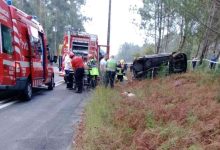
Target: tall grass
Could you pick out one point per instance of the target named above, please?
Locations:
(164, 114)
(98, 116)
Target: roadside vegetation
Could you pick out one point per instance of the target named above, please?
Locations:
(174, 112)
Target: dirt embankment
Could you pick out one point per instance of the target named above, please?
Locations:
(176, 112)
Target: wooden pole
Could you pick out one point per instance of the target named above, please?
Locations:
(109, 28)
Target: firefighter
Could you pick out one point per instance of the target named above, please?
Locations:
(68, 71)
(78, 67)
(120, 70)
(110, 71)
(93, 70)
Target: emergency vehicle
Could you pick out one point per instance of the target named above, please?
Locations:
(24, 52)
(80, 43)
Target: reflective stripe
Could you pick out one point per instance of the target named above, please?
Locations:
(16, 39)
(37, 64)
(119, 71)
(24, 64)
(17, 50)
(15, 29)
(8, 63)
(14, 21)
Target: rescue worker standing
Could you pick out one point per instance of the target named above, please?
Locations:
(103, 63)
(120, 70)
(68, 70)
(93, 71)
(110, 71)
(78, 66)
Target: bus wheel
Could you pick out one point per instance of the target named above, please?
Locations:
(51, 84)
(27, 93)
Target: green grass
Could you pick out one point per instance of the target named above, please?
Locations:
(99, 110)
(98, 116)
(149, 120)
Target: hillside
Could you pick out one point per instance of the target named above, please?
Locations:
(175, 112)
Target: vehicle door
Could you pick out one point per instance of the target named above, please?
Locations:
(7, 64)
(36, 54)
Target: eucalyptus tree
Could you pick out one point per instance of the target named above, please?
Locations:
(186, 18)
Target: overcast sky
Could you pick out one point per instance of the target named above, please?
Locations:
(122, 29)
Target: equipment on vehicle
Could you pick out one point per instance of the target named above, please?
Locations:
(25, 62)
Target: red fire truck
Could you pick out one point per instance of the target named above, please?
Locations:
(24, 52)
(80, 43)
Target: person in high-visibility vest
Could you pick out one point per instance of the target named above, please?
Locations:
(93, 70)
(120, 70)
(110, 71)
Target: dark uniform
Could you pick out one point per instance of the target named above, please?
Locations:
(120, 72)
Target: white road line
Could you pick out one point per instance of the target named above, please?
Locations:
(59, 83)
(11, 103)
(7, 104)
(2, 102)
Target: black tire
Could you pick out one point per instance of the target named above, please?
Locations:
(27, 93)
(51, 84)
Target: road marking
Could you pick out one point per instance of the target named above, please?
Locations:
(59, 83)
(2, 102)
(7, 104)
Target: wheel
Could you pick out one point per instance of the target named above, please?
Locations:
(51, 84)
(27, 93)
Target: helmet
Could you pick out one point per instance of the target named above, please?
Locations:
(71, 54)
(122, 61)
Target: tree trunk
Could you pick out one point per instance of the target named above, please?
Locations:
(160, 17)
(168, 31)
(207, 32)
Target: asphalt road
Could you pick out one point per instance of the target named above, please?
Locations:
(44, 123)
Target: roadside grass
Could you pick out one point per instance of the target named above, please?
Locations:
(98, 115)
(174, 112)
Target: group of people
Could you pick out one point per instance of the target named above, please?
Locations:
(74, 66)
(109, 68)
(78, 67)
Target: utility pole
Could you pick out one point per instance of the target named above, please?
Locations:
(109, 27)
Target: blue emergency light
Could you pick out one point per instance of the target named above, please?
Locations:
(9, 2)
(35, 18)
